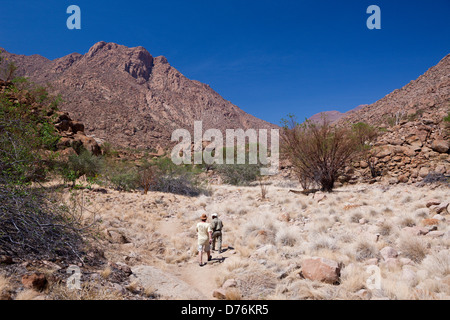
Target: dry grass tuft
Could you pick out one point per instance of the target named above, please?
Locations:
(414, 248)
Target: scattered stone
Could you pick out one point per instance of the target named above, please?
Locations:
(438, 217)
(416, 230)
(116, 237)
(321, 269)
(441, 208)
(220, 294)
(432, 202)
(429, 222)
(403, 178)
(319, 196)
(436, 234)
(364, 294)
(230, 283)
(424, 171)
(388, 252)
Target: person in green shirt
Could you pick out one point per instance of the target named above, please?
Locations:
(216, 226)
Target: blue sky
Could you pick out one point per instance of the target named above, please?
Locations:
(270, 58)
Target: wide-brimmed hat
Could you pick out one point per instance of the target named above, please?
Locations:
(204, 216)
(214, 214)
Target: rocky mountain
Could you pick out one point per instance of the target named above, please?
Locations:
(426, 97)
(414, 144)
(129, 98)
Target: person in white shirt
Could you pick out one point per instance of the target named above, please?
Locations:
(204, 236)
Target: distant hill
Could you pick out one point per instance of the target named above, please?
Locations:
(333, 116)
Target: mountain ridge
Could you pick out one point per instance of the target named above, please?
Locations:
(130, 98)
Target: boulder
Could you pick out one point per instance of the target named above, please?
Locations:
(432, 202)
(403, 178)
(441, 208)
(424, 171)
(77, 126)
(383, 151)
(441, 146)
(321, 269)
(36, 281)
(81, 141)
(363, 164)
(116, 236)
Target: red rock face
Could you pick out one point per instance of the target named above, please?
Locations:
(127, 97)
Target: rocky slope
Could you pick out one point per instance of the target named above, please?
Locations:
(416, 138)
(130, 98)
(427, 97)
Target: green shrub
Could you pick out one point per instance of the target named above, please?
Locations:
(239, 174)
(121, 175)
(86, 164)
(169, 177)
(49, 136)
(447, 118)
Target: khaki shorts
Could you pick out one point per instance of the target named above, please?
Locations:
(204, 246)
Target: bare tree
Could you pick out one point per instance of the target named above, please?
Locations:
(318, 152)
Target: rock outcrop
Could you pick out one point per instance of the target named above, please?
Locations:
(72, 136)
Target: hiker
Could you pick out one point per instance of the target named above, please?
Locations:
(204, 236)
(216, 226)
